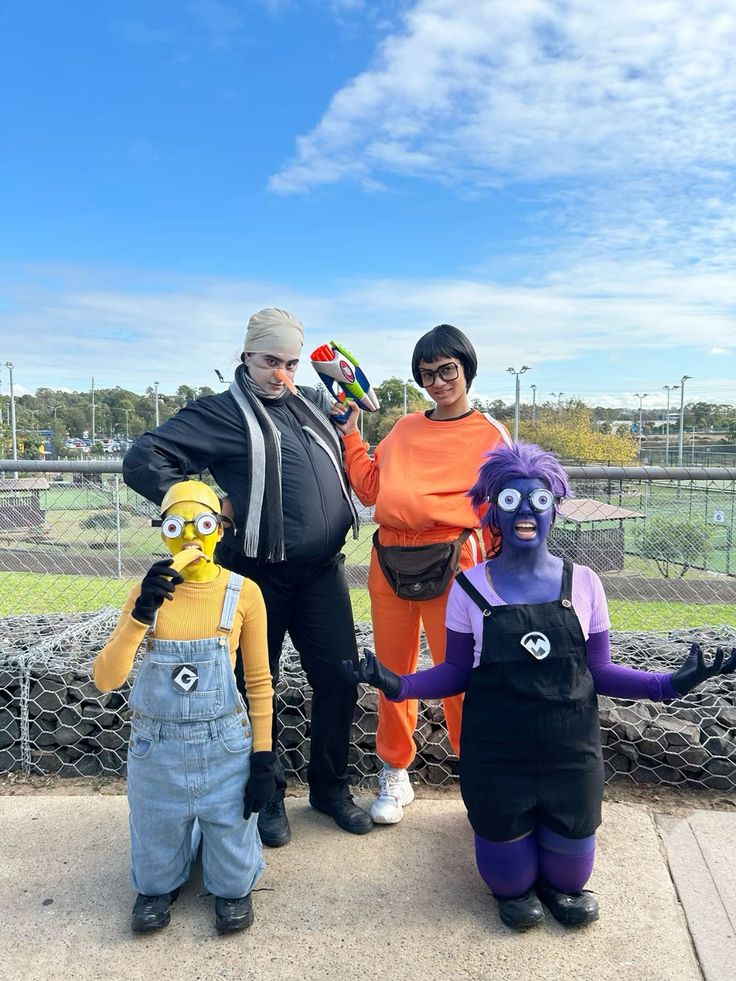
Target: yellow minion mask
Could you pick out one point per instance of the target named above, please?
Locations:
(190, 519)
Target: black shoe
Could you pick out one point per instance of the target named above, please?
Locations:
(273, 824)
(521, 912)
(568, 908)
(346, 814)
(233, 914)
(152, 912)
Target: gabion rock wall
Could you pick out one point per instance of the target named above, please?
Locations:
(53, 720)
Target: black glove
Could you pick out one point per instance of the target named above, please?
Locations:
(261, 784)
(158, 584)
(371, 672)
(694, 671)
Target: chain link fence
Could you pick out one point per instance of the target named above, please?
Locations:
(74, 542)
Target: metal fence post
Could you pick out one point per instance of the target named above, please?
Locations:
(118, 537)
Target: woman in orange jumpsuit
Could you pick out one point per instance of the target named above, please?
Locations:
(418, 480)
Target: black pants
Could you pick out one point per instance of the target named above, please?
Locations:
(312, 602)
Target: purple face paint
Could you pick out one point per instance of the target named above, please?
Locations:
(525, 528)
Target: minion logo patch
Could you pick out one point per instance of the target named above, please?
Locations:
(537, 644)
(184, 678)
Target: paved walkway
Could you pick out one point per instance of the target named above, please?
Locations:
(400, 903)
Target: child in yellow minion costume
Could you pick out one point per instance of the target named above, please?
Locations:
(195, 752)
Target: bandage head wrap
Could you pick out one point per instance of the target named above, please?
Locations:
(274, 331)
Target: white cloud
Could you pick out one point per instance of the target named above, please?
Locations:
(490, 92)
(126, 328)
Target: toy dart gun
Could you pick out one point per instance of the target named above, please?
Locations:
(343, 378)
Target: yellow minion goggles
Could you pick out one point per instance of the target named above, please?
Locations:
(172, 526)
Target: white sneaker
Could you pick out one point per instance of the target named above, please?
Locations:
(395, 791)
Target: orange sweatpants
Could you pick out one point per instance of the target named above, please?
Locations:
(396, 634)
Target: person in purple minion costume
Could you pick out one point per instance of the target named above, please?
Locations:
(528, 643)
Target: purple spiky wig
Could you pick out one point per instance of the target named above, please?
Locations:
(506, 463)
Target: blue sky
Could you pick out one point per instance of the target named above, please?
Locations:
(554, 177)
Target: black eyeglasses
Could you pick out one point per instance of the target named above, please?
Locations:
(447, 372)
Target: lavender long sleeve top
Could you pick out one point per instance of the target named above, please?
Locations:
(464, 622)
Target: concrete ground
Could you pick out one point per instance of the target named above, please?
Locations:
(401, 903)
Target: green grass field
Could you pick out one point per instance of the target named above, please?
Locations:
(23, 593)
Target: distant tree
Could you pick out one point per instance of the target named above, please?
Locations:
(185, 393)
(571, 432)
(390, 394)
(105, 523)
(674, 544)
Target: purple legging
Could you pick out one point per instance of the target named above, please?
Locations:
(510, 868)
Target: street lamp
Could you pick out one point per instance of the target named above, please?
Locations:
(641, 399)
(558, 396)
(407, 382)
(682, 417)
(534, 405)
(127, 434)
(93, 412)
(155, 387)
(517, 374)
(668, 389)
(9, 365)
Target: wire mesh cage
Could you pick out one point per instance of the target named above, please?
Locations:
(664, 550)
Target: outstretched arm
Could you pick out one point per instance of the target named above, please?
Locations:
(621, 681)
(449, 678)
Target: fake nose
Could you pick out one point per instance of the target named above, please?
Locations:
(189, 533)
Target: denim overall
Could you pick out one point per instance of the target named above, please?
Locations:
(189, 758)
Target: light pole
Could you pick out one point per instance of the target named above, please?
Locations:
(668, 389)
(9, 365)
(407, 382)
(682, 418)
(517, 374)
(93, 412)
(127, 435)
(155, 388)
(558, 396)
(55, 433)
(641, 399)
(534, 405)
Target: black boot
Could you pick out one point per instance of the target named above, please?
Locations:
(273, 824)
(568, 908)
(152, 912)
(521, 912)
(346, 814)
(233, 914)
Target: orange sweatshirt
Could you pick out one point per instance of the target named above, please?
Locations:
(421, 473)
(194, 614)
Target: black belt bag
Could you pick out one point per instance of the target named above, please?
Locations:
(420, 572)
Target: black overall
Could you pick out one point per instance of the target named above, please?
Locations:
(530, 747)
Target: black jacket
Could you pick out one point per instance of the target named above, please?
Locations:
(208, 434)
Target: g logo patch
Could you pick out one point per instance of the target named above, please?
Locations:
(537, 644)
(184, 678)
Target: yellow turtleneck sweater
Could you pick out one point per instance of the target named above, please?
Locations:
(194, 614)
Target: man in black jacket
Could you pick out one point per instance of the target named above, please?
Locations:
(274, 452)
